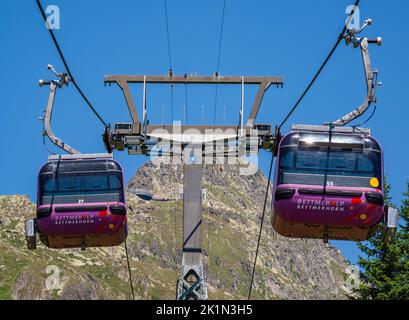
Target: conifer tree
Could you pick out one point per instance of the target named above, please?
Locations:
(384, 263)
(401, 291)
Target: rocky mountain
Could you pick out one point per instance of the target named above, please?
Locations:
(286, 268)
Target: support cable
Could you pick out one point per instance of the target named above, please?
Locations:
(172, 116)
(43, 137)
(129, 271)
(175, 203)
(216, 94)
(64, 61)
(218, 61)
(46, 147)
(171, 102)
(369, 118)
(186, 104)
(169, 57)
(175, 218)
(167, 34)
(261, 225)
(340, 37)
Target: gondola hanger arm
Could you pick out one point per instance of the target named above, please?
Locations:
(54, 85)
(370, 74)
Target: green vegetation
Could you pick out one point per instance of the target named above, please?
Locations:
(385, 263)
(8, 275)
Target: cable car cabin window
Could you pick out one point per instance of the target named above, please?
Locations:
(339, 167)
(81, 187)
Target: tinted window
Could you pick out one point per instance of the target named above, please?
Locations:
(295, 137)
(80, 166)
(94, 187)
(334, 162)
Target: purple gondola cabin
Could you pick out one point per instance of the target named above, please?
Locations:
(328, 184)
(81, 202)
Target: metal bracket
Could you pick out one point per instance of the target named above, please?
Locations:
(190, 291)
(54, 84)
(123, 80)
(139, 137)
(123, 84)
(370, 74)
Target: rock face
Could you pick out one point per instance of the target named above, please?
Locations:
(286, 268)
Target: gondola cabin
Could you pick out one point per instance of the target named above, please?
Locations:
(328, 183)
(81, 202)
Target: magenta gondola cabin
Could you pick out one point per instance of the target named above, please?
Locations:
(328, 184)
(81, 202)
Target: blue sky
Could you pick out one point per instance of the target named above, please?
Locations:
(289, 38)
